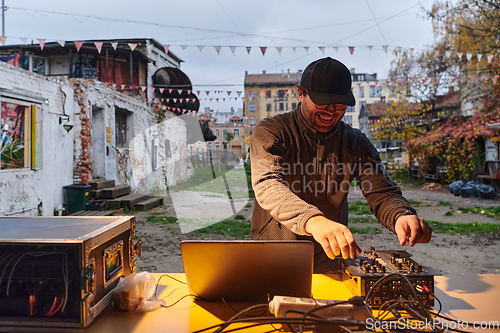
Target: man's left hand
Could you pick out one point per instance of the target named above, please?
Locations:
(412, 229)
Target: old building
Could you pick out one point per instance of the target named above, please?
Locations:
(72, 113)
(268, 94)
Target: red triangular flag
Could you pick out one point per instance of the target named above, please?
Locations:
(98, 46)
(351, 49)
(42, 43)
(207, 92)
(198, 92)
(166, 48)
(170, 90)
(189, 92)
(263, 49)
(3, 39)
(78, 45)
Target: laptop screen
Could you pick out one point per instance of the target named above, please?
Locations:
(248, 270)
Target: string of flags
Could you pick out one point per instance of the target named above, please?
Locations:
(263, 49)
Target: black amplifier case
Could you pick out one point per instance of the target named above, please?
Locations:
(60, 272)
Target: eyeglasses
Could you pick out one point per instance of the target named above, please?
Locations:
(338, 107)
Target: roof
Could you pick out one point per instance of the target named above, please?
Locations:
(55, 47)
(376, 109)
(451, 99)
(265, 79)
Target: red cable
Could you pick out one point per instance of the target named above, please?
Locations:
(52, 308)
(32, 300)
(54, 311)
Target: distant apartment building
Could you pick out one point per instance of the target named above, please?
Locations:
(269, 94)
(367, 89)
(222, 122)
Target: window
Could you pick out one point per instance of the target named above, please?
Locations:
(350, 109)
(209, 145)
(236, 132)
(348, 120)
(224, 145)
(282, 95)
(252, 121)
(282, 107)
(39, 65)
(20, 135)
(252, 107)
(268, 107)
(268, 93)
(286, 106)
(294, 106)
(375, 91)
(361, 92)
(123, 133)
(217, 144)
(275, 106)
(217, 133)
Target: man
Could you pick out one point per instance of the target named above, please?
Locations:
(303, 163)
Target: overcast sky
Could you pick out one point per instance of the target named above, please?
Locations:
(288, 24)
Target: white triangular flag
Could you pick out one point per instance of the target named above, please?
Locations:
(490, 58)
(200, 47)
(447, 54)
(479, 56)
(469, 56)
(61, 42)
(114, 45)
(322, 49)
(293, 48)
(232, 48)
(217, 48)
(336, 48)
(370, 47)
(279, 48)
(384, 47)
(184, 47)
(306, 48)
(132, 46)
(24, 40)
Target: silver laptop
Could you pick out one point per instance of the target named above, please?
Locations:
(248, 270)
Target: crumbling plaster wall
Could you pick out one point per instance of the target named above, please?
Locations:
(29, 192)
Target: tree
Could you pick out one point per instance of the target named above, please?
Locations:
(464, 57)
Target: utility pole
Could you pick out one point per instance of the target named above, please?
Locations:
(3, 17)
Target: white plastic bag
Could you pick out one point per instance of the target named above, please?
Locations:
(135, 293)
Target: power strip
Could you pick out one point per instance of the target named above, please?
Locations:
(354, 310)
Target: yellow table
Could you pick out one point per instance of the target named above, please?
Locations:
(465, 297)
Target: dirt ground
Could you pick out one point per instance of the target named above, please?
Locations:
(450, 254)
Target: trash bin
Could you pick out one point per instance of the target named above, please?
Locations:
(77, 197)
(413, 173)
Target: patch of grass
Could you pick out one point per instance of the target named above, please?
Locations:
(164, 219)
(466, 228)
(236, 229)
(444, 203)
(248, 205)
(367, 230)
(239, 217)
(362, 220)
(448, 213)
(359, 208)
(418, 203)
(488, 211)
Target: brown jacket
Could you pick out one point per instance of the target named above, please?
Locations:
(298, 173)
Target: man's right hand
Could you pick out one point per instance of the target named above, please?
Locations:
(334, 237)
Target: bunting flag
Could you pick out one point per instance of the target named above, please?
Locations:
(166, 48)
(184, 47)
(232, 48)
(78, 45)
(98, 46)
(293, 48)
(384, 47)
(370, 47)
(3, 39)
(248, 49)
(263, 50)
(306, 48)
(42, 43)
(132, 46)
(322, 49)
(436, 53)
(490, 57)
(200, 47)
(217, 48)
(336, 48)
(114, 45)
(459, 54)
(351, 49)
(469, 56)
(61, 42)
(279, 48)
(24, 40)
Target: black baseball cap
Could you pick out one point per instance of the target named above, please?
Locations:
(328, 81)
